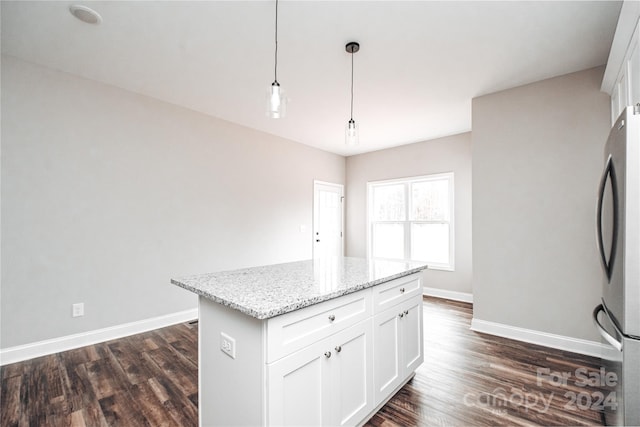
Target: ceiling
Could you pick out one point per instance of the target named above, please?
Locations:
(419, 65)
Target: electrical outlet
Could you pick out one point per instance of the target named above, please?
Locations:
(77, 310)
(228, 345)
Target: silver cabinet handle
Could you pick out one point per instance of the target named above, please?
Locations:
(402, 290)
(401, 314)
(338, 349)
(406, 312)
(332, 317)
(327, 354)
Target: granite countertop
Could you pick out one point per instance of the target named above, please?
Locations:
(272, 290)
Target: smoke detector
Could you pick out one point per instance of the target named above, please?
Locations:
(85, 14)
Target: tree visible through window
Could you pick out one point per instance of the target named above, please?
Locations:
(412, 219)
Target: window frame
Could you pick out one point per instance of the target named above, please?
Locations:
(407, 222)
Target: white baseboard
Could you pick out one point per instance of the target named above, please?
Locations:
(69, 342)
(452, 295)
(560, 342)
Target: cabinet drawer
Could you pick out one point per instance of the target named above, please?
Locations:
(396, 291)
(300, 328)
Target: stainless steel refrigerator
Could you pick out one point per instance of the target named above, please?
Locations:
(618, 238)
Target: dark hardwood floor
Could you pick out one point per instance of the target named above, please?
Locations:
(151, 379)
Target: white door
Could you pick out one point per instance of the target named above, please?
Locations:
(327, 219)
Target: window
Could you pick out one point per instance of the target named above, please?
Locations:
(412, 220)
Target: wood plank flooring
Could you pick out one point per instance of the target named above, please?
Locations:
(151, 379)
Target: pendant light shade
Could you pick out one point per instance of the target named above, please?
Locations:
(276, 100)
(351, 133)
(351, 137)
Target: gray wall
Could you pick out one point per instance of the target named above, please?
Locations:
(450, 154)
(107, 194)
(537, 158)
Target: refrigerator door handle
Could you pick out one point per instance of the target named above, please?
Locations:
(606, 335)
(609, 174)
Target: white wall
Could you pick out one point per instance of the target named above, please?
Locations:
(106, 195)
(537, 159)
(450, 154)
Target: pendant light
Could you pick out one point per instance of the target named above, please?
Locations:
(351, 131)
(276, 100)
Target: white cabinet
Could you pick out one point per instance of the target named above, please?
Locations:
(398, 342)
(626, 89)
(330, 364)
(398, 349)
(298, 329)
(352, 384)
(633, 69)
(396, 291)
(387, 357)
(412, 338)
(299, 388)
(329, 383)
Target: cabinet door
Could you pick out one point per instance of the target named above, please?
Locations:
(299, 388)
(386, 353)
(633, 70)
(615, 103)
(622, 97)
(352, 374)
(412, 336)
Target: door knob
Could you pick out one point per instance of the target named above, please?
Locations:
(327, 354)
(332, 317)
(338, 349)
(318, 240)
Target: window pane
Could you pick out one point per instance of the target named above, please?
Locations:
(388, 241)
(430, 243)
(388, 203)
(430, 200)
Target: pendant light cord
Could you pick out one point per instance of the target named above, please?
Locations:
(351, 85)
(275, 71)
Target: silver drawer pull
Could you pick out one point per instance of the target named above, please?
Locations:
(401, 314)
(402, 290)
(406, 312)
(338, 349)
(332, 317)
(327, 354)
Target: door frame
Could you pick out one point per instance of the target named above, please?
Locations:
(315, 214)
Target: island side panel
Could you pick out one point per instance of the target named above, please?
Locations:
(231, 391)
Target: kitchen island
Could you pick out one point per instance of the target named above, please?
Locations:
(318, 342)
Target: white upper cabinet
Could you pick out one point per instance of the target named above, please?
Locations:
(622, 75)
(633, 69)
